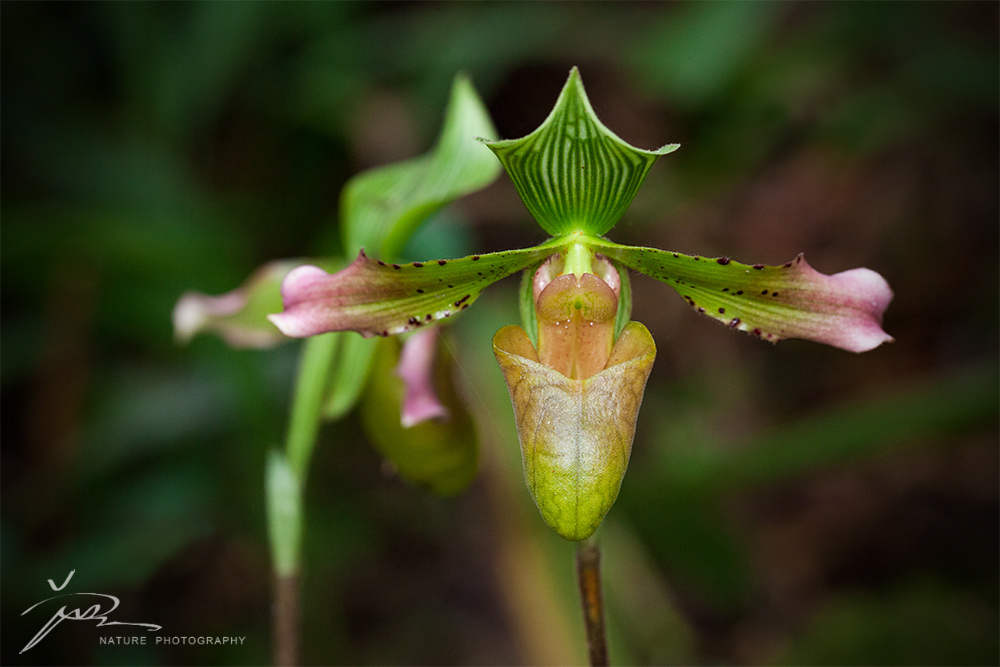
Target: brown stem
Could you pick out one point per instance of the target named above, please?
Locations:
(285, 620)
(588, 574)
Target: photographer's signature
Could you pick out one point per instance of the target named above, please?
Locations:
(94, 612)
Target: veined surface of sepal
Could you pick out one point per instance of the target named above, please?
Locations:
(573, 173)
(576, 435)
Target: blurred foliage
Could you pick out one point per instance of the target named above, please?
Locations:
(788, 505)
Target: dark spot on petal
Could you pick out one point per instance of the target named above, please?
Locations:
(701, 310)
(396, 266)
(764, 292)
(740, 292)
(788, 266)
(758, 266)
(428, 317)
(722, 311)
(451, 287)
(697, 259)
(462, 300)
(725, 289)
(413, 320)
(774, 294)
(676, 255)
(418, 323)
(384, 334)
(723, 260)
(442, 262)
(447, 313)
(756, 332)
(475, 258)
(464, 306)
(419, 291)
(480, 273)
(418, 264)
(381, 263)
(735, 322)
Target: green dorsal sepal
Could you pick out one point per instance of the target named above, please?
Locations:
(573, 173)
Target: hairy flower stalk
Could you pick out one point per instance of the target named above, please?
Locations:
(577, 369)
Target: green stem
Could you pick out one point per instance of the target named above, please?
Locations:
(285, 479)
(588, 573)
(307, 404)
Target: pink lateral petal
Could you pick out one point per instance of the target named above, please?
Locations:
(301, 318)
(236, 316)
(863, 296)
(194, 309)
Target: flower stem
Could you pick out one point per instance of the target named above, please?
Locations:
(307, 405)
(285, 620)
(588, 573)
(286, 475)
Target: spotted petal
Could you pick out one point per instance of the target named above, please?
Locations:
(373, 297)
(791, 300)
(576, 435)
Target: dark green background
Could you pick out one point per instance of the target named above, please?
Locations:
(784, 505)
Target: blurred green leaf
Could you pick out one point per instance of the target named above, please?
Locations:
(180, 66)
(694, 53)
(922, 622)
(951, 405)
(381, 208)
(643, 616)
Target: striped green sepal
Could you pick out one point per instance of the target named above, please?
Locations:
(573, 173)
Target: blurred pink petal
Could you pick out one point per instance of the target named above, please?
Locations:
(239, 316)
(416, 369)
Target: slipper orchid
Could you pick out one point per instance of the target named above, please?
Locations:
(577, 370)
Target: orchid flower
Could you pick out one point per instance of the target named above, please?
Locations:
(577, 370)
(379, 209)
